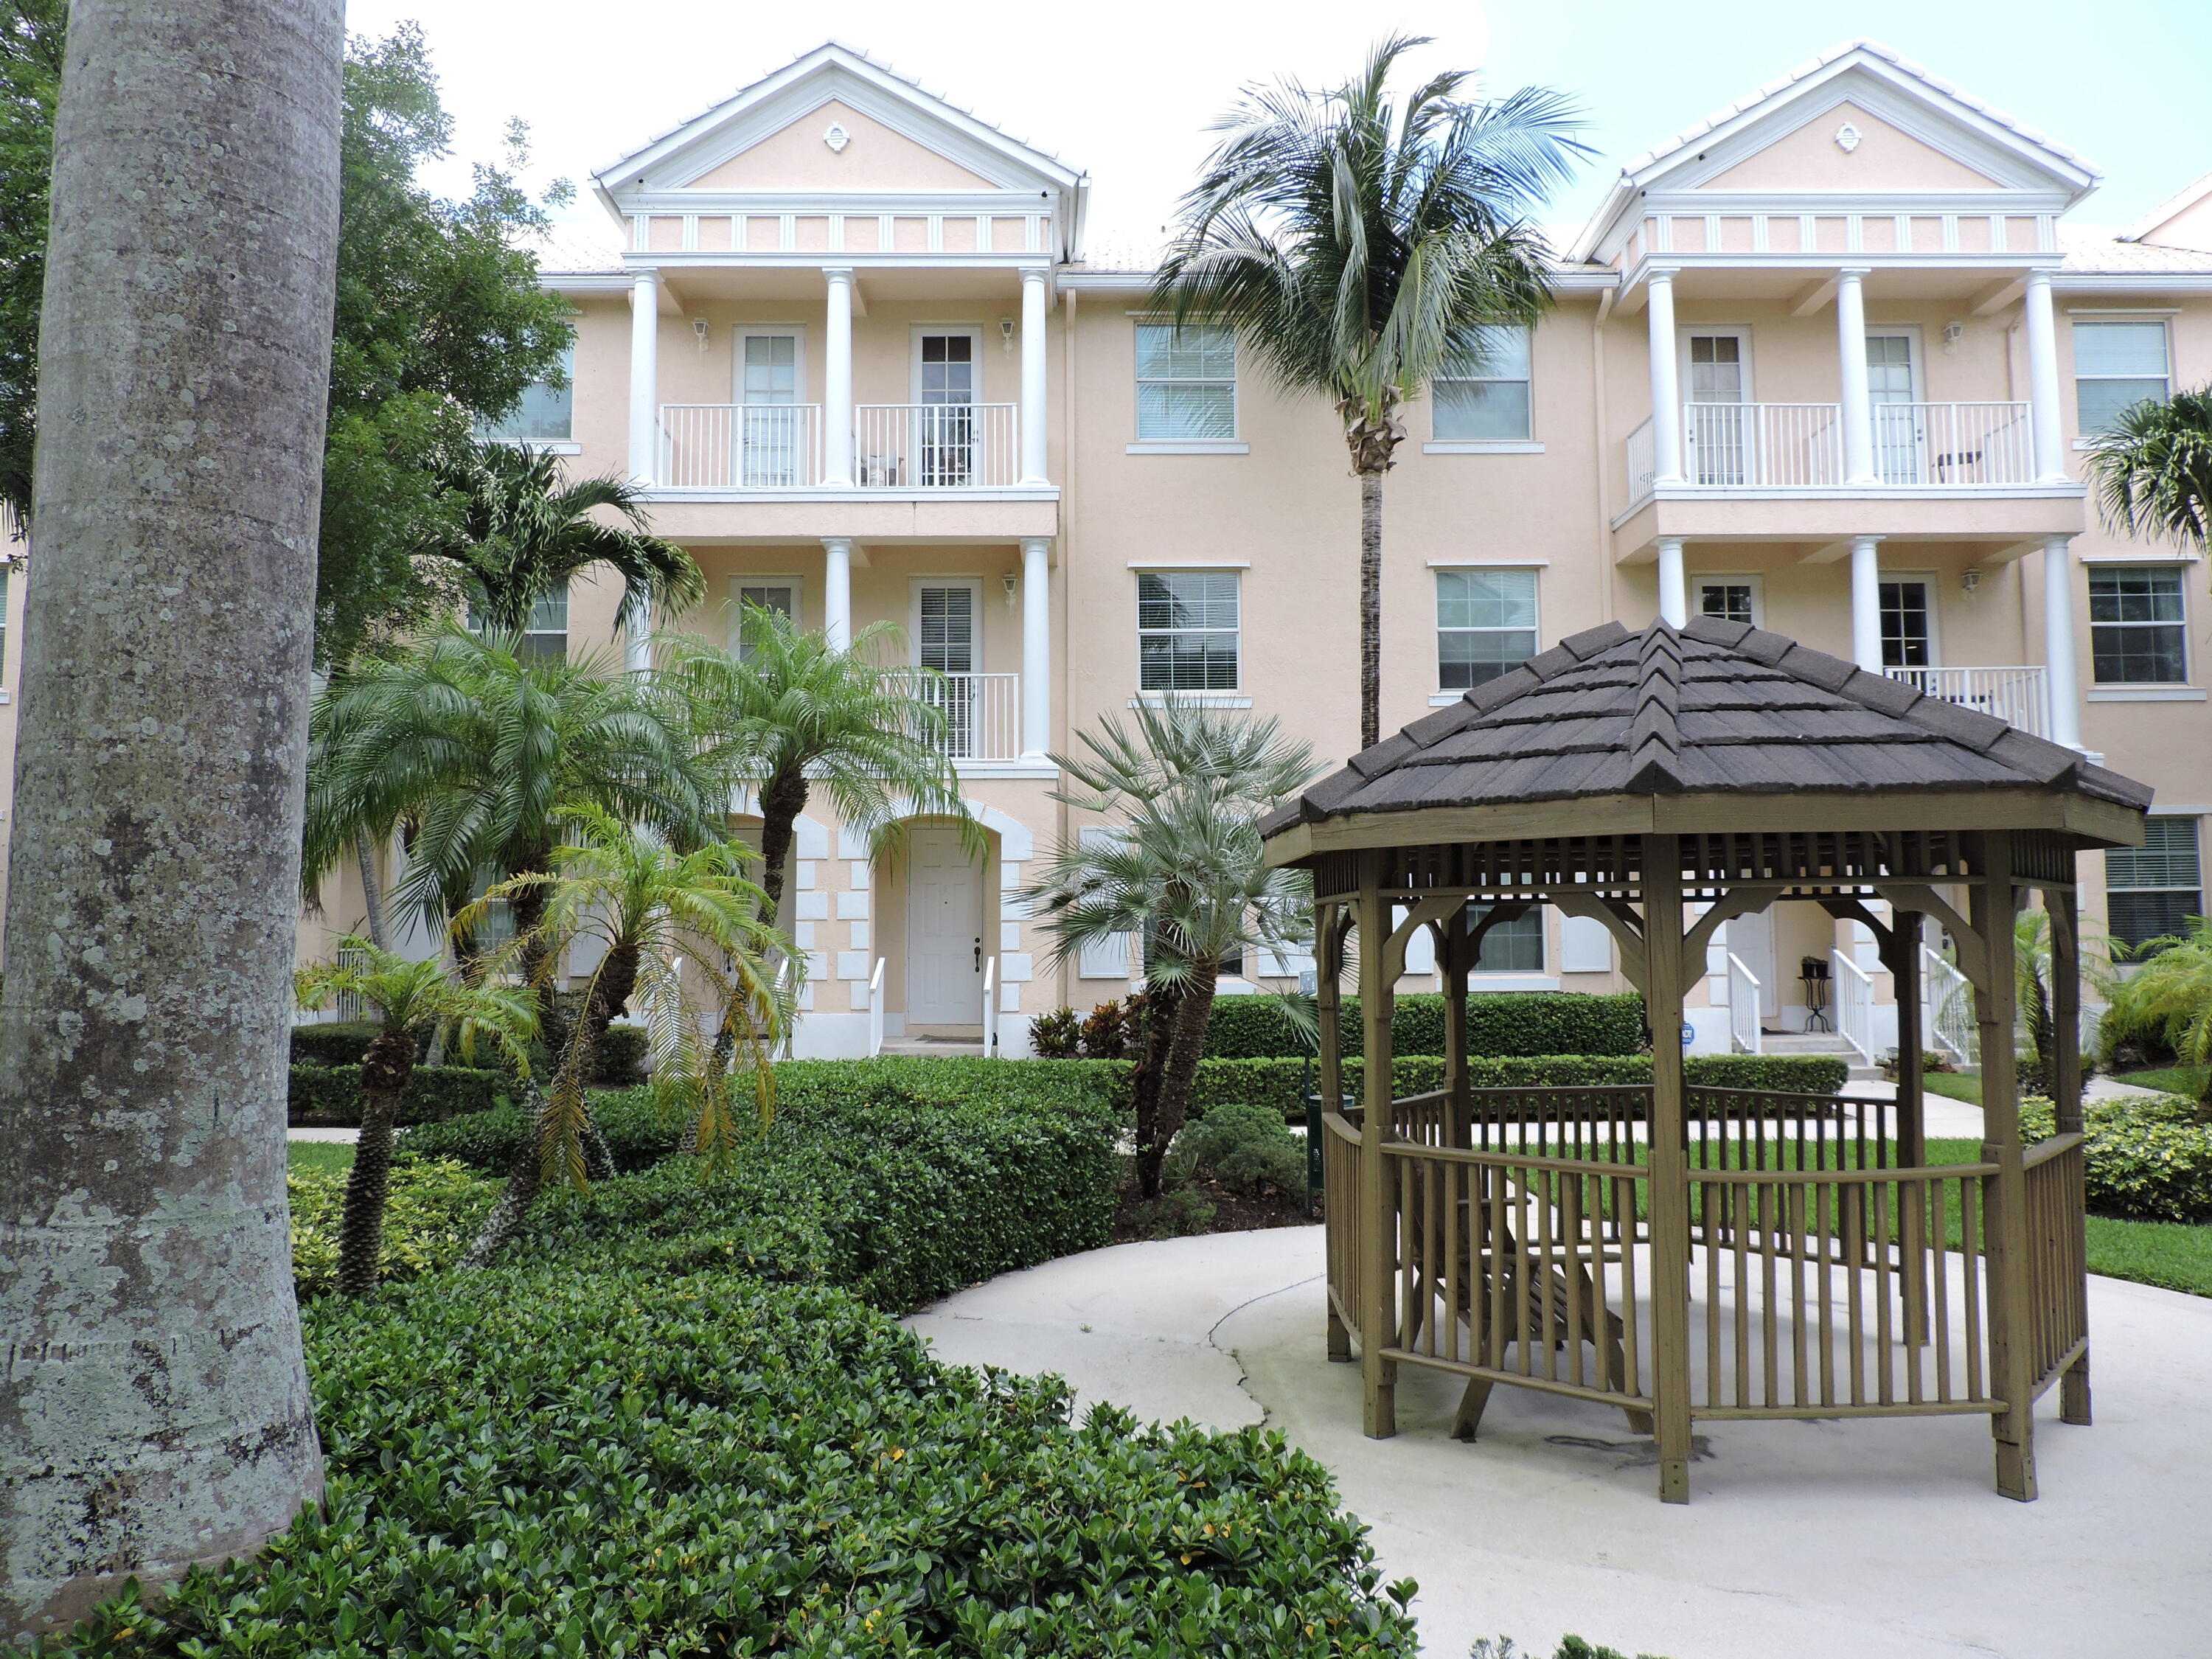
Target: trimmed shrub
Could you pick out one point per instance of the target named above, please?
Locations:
(1501, 1025)
(1279, 1082)
(618, 1064)
(1055, 1036)
(2142, 1159)
(1246, 1147)
(431, 1213)
(329, 1097)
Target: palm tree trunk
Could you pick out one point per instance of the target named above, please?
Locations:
(156, 1412)
(781, 802)
(371, 892)
(384, 1071)
(1370, 608)
(1162, 1006)
(1186, 1046)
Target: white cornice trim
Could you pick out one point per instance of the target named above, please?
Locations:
(1884, 204)
(955, 203)
(666, 493)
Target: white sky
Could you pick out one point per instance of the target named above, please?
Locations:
(1127, 95)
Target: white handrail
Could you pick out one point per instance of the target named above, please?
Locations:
(1743, 994)
(1946, 1001)
(2017, 695)
(1854, 1005)
(876, 1010)
(937, 446)
(982, 713)
(990, 1008)
(740, 446)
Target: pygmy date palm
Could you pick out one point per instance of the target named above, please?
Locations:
(410, 1000)
(1357, 243)
(2169, 999)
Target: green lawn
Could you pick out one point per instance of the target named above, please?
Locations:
(328, 1157)
(2171, 1080)
(1953, 1085)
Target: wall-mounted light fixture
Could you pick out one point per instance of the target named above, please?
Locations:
(1971, 581)
(1953, 333)
(1007, 332)
(699, 326)
(1010, 579)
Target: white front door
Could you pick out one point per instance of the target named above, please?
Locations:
(948, 367)
(1719, 442)
(944, 931)
(946, 631)
(1899, 435)
(1751, 941)
(771, 438)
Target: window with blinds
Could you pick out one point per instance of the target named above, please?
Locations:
(2152, 890)
(545, 413)
(1187, 630)
(1186, 380)
(2117, 365)
(1485, 625)
(1483, 390)
(2137, 626)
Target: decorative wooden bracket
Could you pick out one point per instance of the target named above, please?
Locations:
(1620, 919)
(1433, 908)
(1973, 953)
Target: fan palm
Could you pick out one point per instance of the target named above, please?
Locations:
(2032, 989)
(1357, 243)
(523, 531)
(1183, 870)
(681, 939)
(2168, 997)
(2153, 470)
(410, 999)
(788, 713)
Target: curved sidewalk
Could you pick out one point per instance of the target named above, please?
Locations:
(1809, 1541)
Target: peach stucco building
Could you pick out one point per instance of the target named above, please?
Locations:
(1823, 360)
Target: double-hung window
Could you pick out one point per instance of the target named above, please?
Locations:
(1483, 389)
(2116, 364)
(1187, 630)
(1485, 625)
(1908, 634)
(777, 593)
(546, 414)
(1511, 947)
(2152, 890)
(2137, 625)
(546, 637)
(1185, 381)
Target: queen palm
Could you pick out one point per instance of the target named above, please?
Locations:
(411, 999)
(681, 942)
(523, 532)
(788, 713)
(2153, 470)
(1357, 244)
(1183, 871)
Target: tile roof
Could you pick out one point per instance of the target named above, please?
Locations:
(2103, 248)
(578, 249)
(1715, 706)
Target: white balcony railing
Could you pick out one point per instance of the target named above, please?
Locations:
(1933, 446)
(2017, 695)
(1948, 1014)
(1743, 994)
(740, 446)
(982, 713)
(937, 446)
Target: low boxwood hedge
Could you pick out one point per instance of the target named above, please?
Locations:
(329, 1097)
(618, 1064)
(1280, 1082)
(2142, 1159)
(1500, 1025)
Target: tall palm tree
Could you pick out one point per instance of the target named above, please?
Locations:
(1183, 871)
(681, 938)
(524, 531)
(154, 1410)
(1356, 244)
(411, 999)
(788, 713)
(2169, 998)
(2153, 470)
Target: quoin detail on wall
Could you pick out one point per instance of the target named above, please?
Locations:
(1847, 137)
(837, 137)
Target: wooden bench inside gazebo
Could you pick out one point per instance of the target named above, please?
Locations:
(1690, 1254)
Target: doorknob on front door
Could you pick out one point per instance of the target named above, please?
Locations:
(979, 953)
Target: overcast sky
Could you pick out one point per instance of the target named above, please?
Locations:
(1126, 94)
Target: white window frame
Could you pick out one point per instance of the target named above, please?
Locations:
(1526, 444)
(2198, 888)
(973, 331)
(1211, 693)
(2178, 572)
(796, 584)
(1234, 444)
(1927, 580)
(1446, 696)
(1751, 579)
(974, 586)
(2085, 434)
(566, 446)
(1740, 332)
(567, 596)
(739, 333)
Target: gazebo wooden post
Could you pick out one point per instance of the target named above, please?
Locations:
(2066, 1101)
(1377, 1209)
(1661, 881)
(1329, 1007)
(1459, 1126)
(2005, 1215)
(1903, 955)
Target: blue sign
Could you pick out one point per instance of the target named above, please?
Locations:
(1689, 1033)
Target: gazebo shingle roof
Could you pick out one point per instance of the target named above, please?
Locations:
(1713, 707)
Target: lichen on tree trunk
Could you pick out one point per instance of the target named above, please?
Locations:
(154, 1404)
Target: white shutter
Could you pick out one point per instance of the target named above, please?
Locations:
(1585, 946)
(1108, 957)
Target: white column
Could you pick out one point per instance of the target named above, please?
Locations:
(1851, 377)
(1866, 603)
(2045, 419)
(1673, 587)
(644, 376)
(837, 591)
(1034, 408)
(1037, 647)
(2059, 672)
(838, 380)
(1665, 390)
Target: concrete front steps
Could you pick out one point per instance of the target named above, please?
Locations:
(1818, 1042)
(939, 1047)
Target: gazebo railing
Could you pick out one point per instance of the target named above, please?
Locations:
(2058, 1288)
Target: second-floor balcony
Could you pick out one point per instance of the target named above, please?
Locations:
(2018, 696)
(1745, 446)
(894, 447)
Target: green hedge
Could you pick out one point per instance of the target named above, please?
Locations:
(329, 1097)
(2142, 1159)
(432, 1211)
(619, 1063)
(1500, 1025)
(1279, 1082)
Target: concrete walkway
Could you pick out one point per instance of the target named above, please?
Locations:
(349, 1137)
(1867, 1539)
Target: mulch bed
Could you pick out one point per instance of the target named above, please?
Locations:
(1233, 1213)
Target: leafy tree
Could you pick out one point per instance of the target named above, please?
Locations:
(681, 939)
(787, 713)
(411, 999)
(1357, 244)
(2169, 998)
(1184, 871)
(2153, 470)
(522, 531)
(439, 322)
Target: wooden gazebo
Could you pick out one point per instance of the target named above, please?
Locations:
(1688, 1253)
